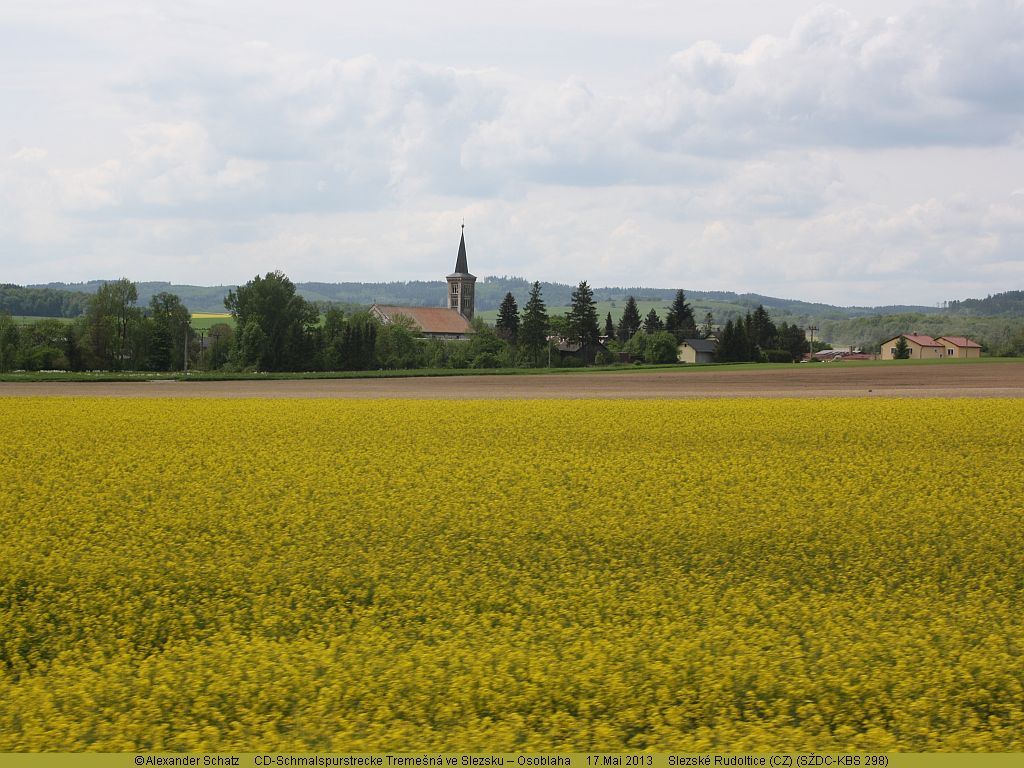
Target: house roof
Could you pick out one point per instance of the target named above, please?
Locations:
(429, 319)
(960, 341)
(918, 338)
(701, 345)
(922, 339)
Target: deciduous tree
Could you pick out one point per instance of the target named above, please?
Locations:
(8, 342)
(274, 324)
(661, 347)
(221, 336)
(397, 345)
(111, 318)
(169, 326)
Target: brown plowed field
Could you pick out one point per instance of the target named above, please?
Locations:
(999, 379)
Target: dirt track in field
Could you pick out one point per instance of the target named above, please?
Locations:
(1003, 379)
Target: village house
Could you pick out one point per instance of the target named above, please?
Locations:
(960, 346)
(696, 351)
(925, 347)
(440, 322)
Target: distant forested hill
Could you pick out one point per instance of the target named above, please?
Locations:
(197, 298)
(724, 305)
(42, 302)
(1008, 304)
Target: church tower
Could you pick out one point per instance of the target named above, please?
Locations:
(460, 283)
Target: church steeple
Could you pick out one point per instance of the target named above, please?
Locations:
(461, 267)
(461, 283)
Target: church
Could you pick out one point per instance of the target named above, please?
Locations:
(438, 322)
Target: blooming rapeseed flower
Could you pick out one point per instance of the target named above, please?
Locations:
(588, 575)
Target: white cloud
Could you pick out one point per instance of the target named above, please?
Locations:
(849, 147)
(926, 78)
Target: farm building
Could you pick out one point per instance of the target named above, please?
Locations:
(697, 351)
(922, 347)
(586, 353)
(837, 355)
(439, 322)
(960, 346)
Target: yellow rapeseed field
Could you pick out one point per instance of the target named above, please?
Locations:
(585, 575)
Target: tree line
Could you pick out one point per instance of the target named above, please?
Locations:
(113, 334)
(42, 302)
(755, 338)
(276, 329)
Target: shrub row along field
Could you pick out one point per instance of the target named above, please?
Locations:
(400, 575)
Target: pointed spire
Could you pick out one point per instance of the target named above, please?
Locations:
(461, 267)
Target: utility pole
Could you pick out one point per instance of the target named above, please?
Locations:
(186, 349)
(216, 337)
(812, 329)
(202, 348)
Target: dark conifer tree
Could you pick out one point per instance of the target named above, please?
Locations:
(708, 327)
(609, 327)
(763, 333)
(734, 344)
(902, 349)
(680, 320)
(744, 343)
(726, 349)
(582, 317)
(160, 348)
(652, 323)
(507, 324)
(629, 325)
(793, 339)
(534, 328)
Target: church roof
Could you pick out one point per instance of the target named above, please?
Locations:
(429, 319)
(461, 266)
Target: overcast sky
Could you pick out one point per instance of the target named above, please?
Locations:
(857, 153)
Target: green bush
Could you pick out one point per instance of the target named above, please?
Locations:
(661, 347)
(486, 360)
